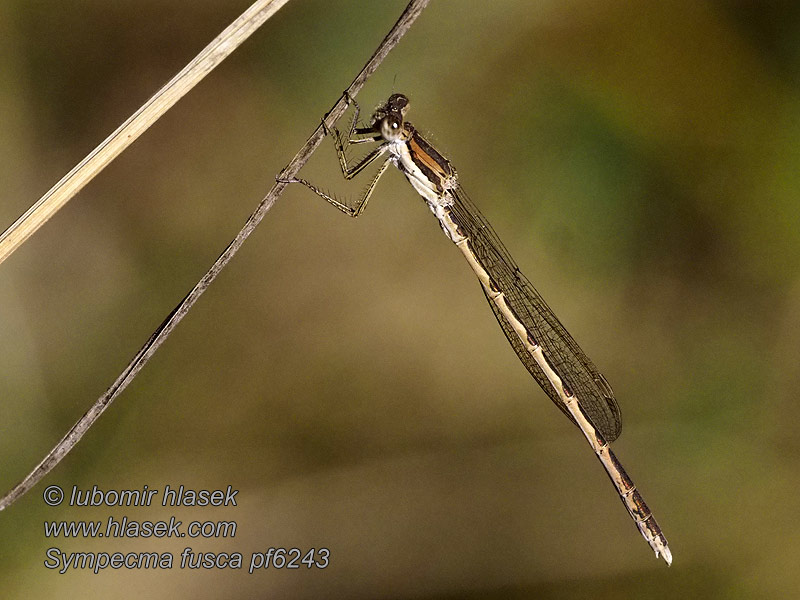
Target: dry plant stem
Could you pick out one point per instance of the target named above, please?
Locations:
(213, 54)
(410, 14)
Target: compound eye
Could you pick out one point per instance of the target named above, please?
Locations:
(391, 127)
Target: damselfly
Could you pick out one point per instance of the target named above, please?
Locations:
(541, 342)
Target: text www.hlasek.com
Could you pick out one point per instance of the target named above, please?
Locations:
(125, 528)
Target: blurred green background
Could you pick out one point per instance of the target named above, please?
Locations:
(641, 162)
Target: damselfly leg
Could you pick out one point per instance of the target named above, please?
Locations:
(356, 135)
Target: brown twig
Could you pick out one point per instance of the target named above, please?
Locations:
(77, 431)
(127, 133)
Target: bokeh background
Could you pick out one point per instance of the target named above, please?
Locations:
(640, 160)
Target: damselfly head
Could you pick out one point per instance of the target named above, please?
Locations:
(388, 118)
(397, 103)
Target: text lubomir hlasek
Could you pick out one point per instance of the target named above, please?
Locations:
(179, 496)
